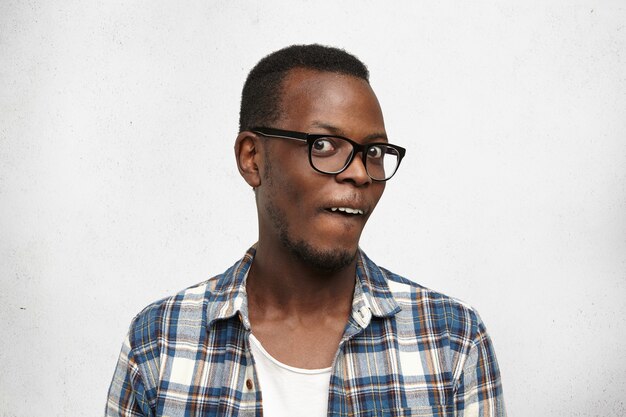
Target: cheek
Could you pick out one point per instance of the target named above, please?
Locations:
(288, 188)
(377, 192)
(287, 173)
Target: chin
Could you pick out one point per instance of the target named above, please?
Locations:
(323, 259)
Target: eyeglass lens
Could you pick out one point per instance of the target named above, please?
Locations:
(332, 155)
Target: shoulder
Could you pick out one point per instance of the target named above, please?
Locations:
(169, 316)
(432, 311)
(451, 340)
(181, 318)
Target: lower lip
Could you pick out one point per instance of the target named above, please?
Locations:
(341, 227)
(343, 215)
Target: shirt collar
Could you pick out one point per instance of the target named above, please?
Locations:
(372, 297)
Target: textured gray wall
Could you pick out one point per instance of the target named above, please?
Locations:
(118, 185)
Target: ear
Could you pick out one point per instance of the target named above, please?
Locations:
(248, 156)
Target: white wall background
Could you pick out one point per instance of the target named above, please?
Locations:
(118, 185)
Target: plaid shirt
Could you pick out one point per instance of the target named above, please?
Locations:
(406, 351)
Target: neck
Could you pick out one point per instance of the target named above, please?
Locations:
(280, 281)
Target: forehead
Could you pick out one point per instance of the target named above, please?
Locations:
(311, 98)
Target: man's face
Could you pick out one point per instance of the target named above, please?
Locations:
(295, 202)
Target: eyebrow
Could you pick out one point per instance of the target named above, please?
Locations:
(338, 132)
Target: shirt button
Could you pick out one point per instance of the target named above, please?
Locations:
(249, 383)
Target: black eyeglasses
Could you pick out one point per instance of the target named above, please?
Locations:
(330, 154)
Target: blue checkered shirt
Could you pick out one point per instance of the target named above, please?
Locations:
(406, 351)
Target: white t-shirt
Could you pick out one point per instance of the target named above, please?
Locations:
(288, 391)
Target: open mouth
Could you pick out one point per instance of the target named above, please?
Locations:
(347, 211)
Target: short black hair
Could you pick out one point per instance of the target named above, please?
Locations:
(260, 98)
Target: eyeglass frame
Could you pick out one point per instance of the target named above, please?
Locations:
(310, 138)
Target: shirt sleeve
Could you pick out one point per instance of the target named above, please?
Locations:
(479, 390)
(127, 391)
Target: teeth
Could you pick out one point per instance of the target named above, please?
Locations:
(347, 210)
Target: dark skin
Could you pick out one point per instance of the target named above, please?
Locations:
(299, 310)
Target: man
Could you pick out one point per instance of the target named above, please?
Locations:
(305, 324)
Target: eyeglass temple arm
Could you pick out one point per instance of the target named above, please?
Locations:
(271, 134)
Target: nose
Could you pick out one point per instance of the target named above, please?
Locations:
(355, 173)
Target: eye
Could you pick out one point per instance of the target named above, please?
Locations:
(323, 146)
(375, 152)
